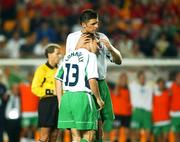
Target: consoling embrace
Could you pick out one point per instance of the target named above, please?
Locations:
(83, 95)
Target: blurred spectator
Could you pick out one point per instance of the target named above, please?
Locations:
(145, 44)
(3, 47)
(3, 100)
(160, 111)
(121, 97)
(14, 44)
(125, 45)
(14, 75)
(161, 45)
(175, 106)
(141, 100)
(46, 31)
(165, 47)
(26, 50)
(135, 51)
(36, 21)
(39, 49)
(62, 32)
(13, 114)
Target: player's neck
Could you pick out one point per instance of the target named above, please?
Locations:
(52, 64)
(83, 31)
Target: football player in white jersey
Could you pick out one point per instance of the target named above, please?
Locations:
(90, 23)
(77, 77)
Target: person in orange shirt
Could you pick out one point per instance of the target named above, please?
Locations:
(160, 111)
(29, 107)
(121, 105)
(175, 106)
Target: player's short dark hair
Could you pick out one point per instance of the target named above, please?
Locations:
(88, 14)
(160, 80)
(50, 48)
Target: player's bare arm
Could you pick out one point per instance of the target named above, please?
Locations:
(94, 87)
(117, 58)
(58, 90)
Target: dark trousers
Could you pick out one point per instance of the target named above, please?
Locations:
(1, 124)
(13, 128)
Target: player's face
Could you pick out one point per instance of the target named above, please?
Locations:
(55, 56)
(123, 80)
(142, 79)
(161, 85)
(94, 47)
(91, 26)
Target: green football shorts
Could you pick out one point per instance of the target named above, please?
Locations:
(107, 111)
(141, 119)
(77, 110)
(175, 122)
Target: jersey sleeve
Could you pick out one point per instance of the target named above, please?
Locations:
(60, 73)
(108, 54)
(68, 44)
(37, 82)
(92, 71)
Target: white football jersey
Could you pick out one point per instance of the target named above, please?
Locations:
(72, 41)
(76, 69)
(141, 96)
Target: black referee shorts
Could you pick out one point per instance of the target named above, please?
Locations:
(48, 112)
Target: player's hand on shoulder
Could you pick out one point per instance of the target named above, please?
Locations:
(83, 41)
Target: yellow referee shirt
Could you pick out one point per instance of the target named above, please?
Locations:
(43, 83)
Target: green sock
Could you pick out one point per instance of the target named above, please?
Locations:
(99, 140)
(84, 140)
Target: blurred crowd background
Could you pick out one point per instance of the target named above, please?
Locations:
(139, 29)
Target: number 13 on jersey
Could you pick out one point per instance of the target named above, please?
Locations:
(72, 74)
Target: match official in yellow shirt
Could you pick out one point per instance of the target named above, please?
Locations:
(43, 86)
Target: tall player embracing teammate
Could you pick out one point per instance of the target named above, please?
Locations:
(90, 23)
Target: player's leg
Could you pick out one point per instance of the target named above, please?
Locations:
(76, 135)
(125, 123)
(116, 127)
(136, 124)
(147, 124)
(44, 134)
(166, 130)
(53, 135)
(87, 136)
(106, 112)
(107, 128)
